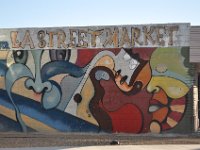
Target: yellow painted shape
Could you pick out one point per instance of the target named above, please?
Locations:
(178, 108)
(2, 82)
(20, 89)
(87, 92)
(155, 127)
(173, 88)
(9, 59)
(106, 61)
(30, 122)
(3, 55)
(171, 122)
(83, 108)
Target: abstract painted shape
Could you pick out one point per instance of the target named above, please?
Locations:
(135, 90)
(51, 98)
(15, 72)
(3, 68)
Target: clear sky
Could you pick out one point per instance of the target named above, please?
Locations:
(52, 13)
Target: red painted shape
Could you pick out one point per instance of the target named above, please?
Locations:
(165, 126)
(180, 101)
(134, 107)
(145, 53)
(127, 119)
(85, 56)
(177, 116)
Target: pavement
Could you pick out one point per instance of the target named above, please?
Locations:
(13, 140)
(117, 147)
(101, 141)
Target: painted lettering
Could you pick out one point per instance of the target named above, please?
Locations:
(159, 36)
(135, 36)
(27, 40)
(104, 37)
(15, 42)
(73, 34)
(61, 39)
(94, 35)
(82, 35)
(112, 37)
(51, 35)
(125, 40)
(172, 29)
(40, 36)
(147, 35)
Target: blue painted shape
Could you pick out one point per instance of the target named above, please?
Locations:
(15, 72)
(3, 67)
(59, 67)
(9, 125)
(4, 45)
(51, 98)
(54, 118)
(37, 84)
(171, 74)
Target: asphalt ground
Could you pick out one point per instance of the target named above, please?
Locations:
(119, 147)
(13, 140)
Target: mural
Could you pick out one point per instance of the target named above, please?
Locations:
(135, 90)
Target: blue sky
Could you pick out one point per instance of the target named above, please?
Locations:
(50, 13)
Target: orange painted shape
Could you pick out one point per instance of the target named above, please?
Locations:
(161, 97)
(145, 75)
(124, 87)
(160, 114)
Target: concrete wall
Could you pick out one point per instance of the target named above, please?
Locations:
(136, 90)
(132, 79)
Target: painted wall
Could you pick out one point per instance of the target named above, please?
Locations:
(137, 90)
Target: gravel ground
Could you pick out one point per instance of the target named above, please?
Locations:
(9, 140)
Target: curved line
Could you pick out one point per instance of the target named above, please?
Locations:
(59, 67)
(18, 115)
(9, 84)
(89, 67)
